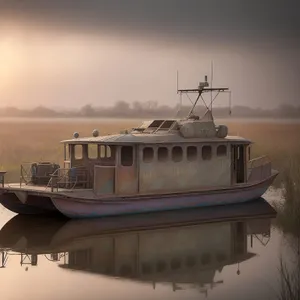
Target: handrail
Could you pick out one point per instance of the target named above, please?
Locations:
(259, 168)
(25, 174)
(2, 177)
(258, 161)
(63, 178)
(28, 173)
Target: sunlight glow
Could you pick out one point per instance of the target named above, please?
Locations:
(11, 61)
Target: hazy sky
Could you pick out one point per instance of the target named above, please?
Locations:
(69, 53)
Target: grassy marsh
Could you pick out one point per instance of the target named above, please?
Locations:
(288, 218)
(289, 271)
(31, 140)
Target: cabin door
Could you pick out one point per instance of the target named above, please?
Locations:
(238, 155)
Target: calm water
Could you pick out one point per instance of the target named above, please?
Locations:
(138, 258)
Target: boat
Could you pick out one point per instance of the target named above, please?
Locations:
(186, 248)
(163, 164)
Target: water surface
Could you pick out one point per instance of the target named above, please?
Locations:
(217, 253)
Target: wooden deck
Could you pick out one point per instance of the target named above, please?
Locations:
(40, 190)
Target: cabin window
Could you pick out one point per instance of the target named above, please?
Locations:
(93, 151)
(102, 151)
(238, 152)
(67, 152)
(162, 154)
(177, 154)
(78, 151)
(206, 152)
(108, 151)
(191, 153)
(249, 152)
(222, 150)
(148, 154)
(127, 156)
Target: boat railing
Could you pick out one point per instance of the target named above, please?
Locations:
(259, 168)
(36, 173)
(71, 178)
(29, 258)
(2, 177)
(25, 174)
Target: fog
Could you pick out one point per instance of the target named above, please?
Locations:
(72, 53)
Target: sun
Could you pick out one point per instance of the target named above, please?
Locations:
(10, 61)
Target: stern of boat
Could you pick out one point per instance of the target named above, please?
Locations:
(29, 203)
(260, 169)
(38, 183)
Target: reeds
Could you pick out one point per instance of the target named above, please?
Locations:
(288, 217)
(288, 220)
(289, 272)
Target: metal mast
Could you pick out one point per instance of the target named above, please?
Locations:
(202, 88)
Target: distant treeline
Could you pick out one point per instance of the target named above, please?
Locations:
(151, 109)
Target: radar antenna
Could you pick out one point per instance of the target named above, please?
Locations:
(203, 87)
(211, 82)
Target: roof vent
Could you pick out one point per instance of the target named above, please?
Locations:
(95, 133)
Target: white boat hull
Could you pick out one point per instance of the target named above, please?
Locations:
(82, 208)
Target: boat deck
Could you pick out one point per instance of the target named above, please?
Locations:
(84, 194)
(44, 190)
(33, 188)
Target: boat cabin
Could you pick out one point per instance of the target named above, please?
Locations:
(160, 156)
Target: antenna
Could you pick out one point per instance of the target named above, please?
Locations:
(211, 82)
(177, 81)
(202, 88)
(230, 105)
(180, 96)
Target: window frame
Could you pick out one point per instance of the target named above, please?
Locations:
(181, 155)
(211, 152)
(223, 154)
(132, 156)
(143, 155)
(187, 153)
(89, 148)
(81, 151)
(167, 154)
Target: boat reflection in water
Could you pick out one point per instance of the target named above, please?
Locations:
(184, 249)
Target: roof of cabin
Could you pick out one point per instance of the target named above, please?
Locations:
(193, 130)
(141, 138)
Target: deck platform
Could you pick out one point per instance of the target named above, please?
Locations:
(44, 190)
